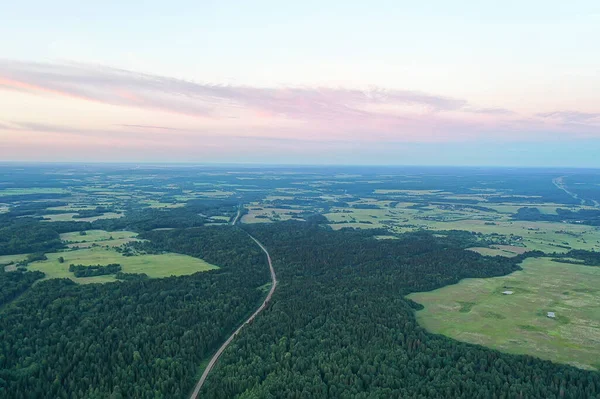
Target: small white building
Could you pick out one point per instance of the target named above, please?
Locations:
(551, 315)
(507, 292)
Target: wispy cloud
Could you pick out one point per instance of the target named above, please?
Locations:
(121, 87)
(572, 116)
(149, 127)
(297, 113)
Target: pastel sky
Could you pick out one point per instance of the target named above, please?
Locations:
(302, 82)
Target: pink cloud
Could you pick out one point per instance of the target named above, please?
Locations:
(297, 112)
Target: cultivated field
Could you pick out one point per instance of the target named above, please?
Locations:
(476, 311)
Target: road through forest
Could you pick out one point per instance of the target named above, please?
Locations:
(216, 356)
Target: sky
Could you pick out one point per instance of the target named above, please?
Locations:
(377, 82)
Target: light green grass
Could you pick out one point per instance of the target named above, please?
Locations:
(165, 205)
(220, 217)
(518, 323)
(545, 236)
(163, 265)
(214, 194)
(5, 259)
(492, 251)
(96, 235)
(272, 214)
(32, 190)
(72, 208)
(68, 217)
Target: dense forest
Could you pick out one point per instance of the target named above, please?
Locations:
(583, 216)
(13, 284)
(340, 327)
(142, 338)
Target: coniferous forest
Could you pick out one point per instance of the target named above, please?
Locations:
(339, 324)
(139, 338)
(340, 327)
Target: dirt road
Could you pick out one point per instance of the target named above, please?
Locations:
(216, 356)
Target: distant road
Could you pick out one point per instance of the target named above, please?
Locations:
(239, 213)
(560, 184)
(216, 356)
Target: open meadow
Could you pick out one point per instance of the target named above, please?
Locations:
(162, 265)
(477, 311)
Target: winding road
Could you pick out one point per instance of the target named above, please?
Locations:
(560, 184)
(216, 356)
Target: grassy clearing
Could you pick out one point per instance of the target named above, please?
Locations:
(215, 193)
(386, 237)
(163, 265)
(164, 205)
(97, 235)
(491, 251)
(72, 208)
(68, 217)
(476, 311)
(545, 236)
(34, 190)
(6, 259)
(499, 250)
(259, 214)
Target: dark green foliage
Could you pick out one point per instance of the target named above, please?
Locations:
(582, 216)
(588, 258)
(35, 257)
(12, 284)
(365, 206)
(194, 214)
(29, 236)
(340, 327)
(88, 213)
(94, 270)
(144, 338)
(33, 208)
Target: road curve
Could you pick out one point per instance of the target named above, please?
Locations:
(216, 356)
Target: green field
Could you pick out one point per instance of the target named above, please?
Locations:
(265, 214)
(163, 265)
(4, 259)
(499, 250)
(476, 311)
(68, 217)
(12, 260)
(159, 205)
(98, 237)
(545, 236)
(33, 190)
